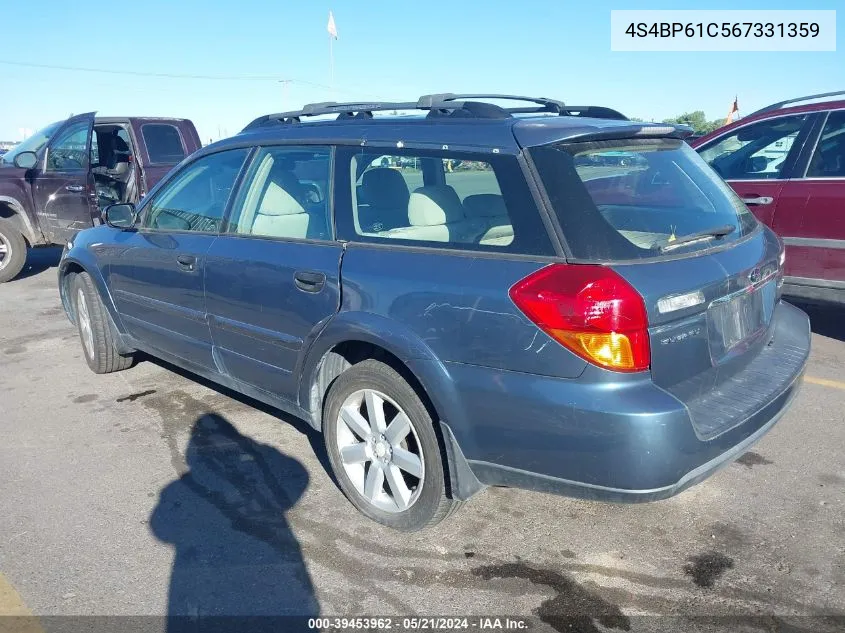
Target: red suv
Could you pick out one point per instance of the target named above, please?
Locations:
(787, 163)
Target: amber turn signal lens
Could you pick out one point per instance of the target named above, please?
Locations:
(611, 350)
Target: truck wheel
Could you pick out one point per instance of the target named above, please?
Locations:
(12, 251)
(95, 330)
(383, 450)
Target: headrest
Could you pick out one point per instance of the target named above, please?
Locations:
(485, 205)
(433, 205)
(385, 187)
(277, 201)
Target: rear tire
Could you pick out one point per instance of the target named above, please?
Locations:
(12, 251)
(388, 463)
(95, 330)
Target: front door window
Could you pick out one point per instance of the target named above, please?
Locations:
(70, 150)
(195, 199)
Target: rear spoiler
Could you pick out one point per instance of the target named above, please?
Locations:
(536, 137)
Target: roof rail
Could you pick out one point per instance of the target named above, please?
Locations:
(433, 100)
(445, 104)
(346, 110)
(546, 105)
(780, 104)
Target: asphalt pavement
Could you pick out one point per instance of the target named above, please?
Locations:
(151, 492)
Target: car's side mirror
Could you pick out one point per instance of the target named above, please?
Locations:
(26, 160)
(120, 216)
(756, 164)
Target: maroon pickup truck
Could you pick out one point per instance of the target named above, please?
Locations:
(56, 182)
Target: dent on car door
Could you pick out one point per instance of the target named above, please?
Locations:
(811, 216)
(63, 187)
(157, 277)
(272, 279)
(756, 159)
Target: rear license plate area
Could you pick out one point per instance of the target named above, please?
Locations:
(736, 321)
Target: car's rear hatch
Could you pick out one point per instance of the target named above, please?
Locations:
(708, 273)
(714, 355)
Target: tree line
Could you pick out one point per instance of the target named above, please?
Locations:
(696, 120)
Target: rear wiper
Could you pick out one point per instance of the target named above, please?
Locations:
(706, 234)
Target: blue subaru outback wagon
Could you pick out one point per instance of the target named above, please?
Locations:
(470, 295)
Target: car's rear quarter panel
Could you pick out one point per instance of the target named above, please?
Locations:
(457, 304)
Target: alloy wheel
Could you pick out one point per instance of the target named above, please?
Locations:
(5, 252)
(380, 450)
(87, 334)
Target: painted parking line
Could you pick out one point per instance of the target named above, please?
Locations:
(824, 382)
(16, 616)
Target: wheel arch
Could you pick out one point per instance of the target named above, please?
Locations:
(14, 212)
(353, 337)
(76, 264)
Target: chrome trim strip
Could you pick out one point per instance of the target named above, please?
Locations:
(815, 242)
(742, 291)
(818, 283)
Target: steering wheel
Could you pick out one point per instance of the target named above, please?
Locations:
(67, 159)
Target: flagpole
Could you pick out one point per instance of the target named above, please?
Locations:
(331, 65)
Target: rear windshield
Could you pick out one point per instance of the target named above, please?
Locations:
(634, 199)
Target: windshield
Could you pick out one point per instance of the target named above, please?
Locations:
(33, 144)
(631, 199)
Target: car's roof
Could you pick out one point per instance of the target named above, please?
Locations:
(127, 119)
(771, 112)
(507, 135)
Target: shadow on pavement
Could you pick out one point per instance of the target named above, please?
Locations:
(38, 260)
(238, 565)
(315, 438)
(825, 319)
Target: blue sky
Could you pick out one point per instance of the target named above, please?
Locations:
(388, 50)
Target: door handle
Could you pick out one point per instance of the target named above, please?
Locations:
(309, 281)
(759, 200)
(186, 261)
(75, 188)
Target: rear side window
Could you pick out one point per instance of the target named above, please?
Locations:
(829, 158)
(439, 199)
(164, 143)
(633, 199)
(756, 151)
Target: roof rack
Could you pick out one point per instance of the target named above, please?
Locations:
(438, 105)
(780, 104)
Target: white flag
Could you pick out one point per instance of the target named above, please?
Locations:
(330, 27)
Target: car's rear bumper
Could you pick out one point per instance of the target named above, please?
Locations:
(626, 441)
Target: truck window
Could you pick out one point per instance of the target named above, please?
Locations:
(164, 143)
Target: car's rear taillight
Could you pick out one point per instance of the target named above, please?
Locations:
(590, 310)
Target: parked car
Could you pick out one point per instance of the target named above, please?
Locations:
(57, 181)
(787, 163)
(611, 334)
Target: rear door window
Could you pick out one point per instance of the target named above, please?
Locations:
(759, 151)
(285, 195)
(439, 199)
(164, 143)
(635, 199)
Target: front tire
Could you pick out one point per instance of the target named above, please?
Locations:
(12, 251)
(383, 449)
(95, 332)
